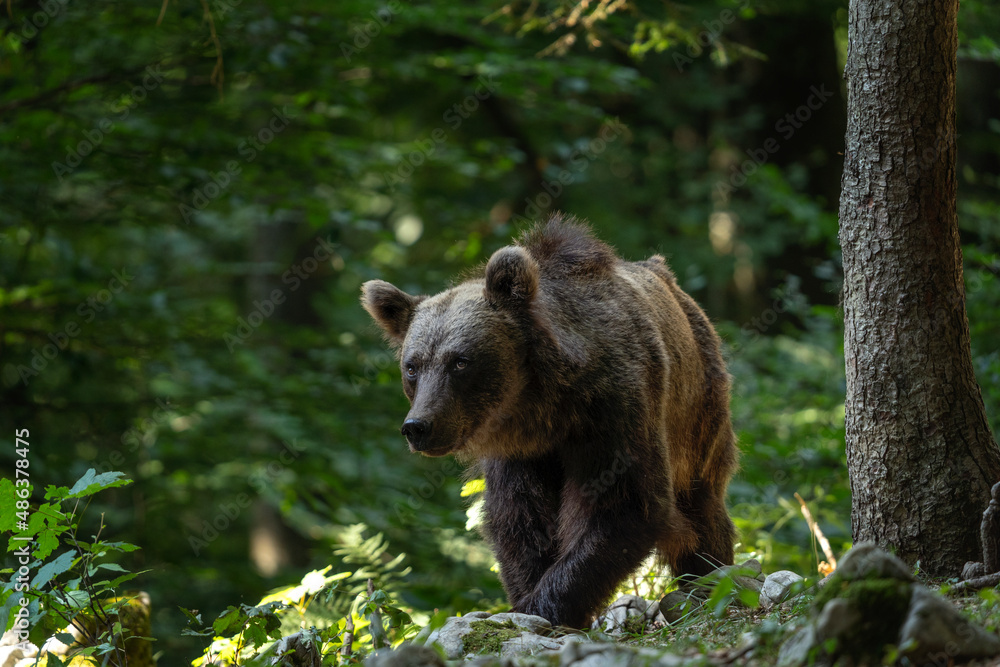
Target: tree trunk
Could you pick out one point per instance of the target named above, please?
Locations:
(919, 449)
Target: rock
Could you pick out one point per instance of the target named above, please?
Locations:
(618, 617)
(835, 620)
(867, 561)
(449, 636)
(529, 622)
(10, 655)
(777, 587)
(505, 635)
(406, 655)
(595, 654)
(528, 644)
(872, 601)
(973, 570)
(940, 630)
(297, 651)
(676, 605)
(743, 575)
(795, 651)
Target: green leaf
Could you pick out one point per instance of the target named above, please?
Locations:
(254, 634)
(228, 621)
(8, 510)
(191, 616)
(114, 567)
(47, 572)
(56, 493)
(65, 638)
(78, 599)
(123, 547)
(722, 595)
(749, 597)
(91, 483)
(115, 583)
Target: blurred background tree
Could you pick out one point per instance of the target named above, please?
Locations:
(191, 195)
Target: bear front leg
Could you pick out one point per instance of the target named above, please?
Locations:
(607, 545)
(521, 507)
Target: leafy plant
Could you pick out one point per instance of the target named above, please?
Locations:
(330, 614)
(75, 596)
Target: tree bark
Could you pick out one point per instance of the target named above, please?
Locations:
(920, 453)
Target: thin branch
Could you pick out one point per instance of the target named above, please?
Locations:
(218, 73)
(820, 537)
(163, 11)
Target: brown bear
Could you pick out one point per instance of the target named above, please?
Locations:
(592, 394)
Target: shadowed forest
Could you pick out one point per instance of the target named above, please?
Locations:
(192, 194)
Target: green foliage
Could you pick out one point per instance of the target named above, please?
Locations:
(180, 303)
(69, 596)
(342, 616)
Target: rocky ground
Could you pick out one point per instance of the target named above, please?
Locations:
(871, 611)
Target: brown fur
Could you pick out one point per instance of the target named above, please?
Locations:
(592, 393)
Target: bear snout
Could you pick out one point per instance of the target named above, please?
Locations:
(417, 432)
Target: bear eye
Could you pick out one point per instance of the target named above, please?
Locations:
(461, 363)
(411, 372)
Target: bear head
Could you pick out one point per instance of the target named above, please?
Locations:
(462, 352)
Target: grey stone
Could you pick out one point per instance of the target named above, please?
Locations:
(449, 636)
(10, 655)
(529, 622)
(836, 620)
(939, 630)
(488, 661)
(613, 620)
(478, 615)
(933, 631)
(294, 651)
(743, 575)
(677, 604)
(867, 561)
(592, 654)
(973, 570)
(795, 651)
(529, 644)
(777, 587)
(406, 655)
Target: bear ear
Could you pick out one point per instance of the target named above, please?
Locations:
(390, 307)
(511, 277)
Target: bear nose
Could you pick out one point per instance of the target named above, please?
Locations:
(416, 431)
